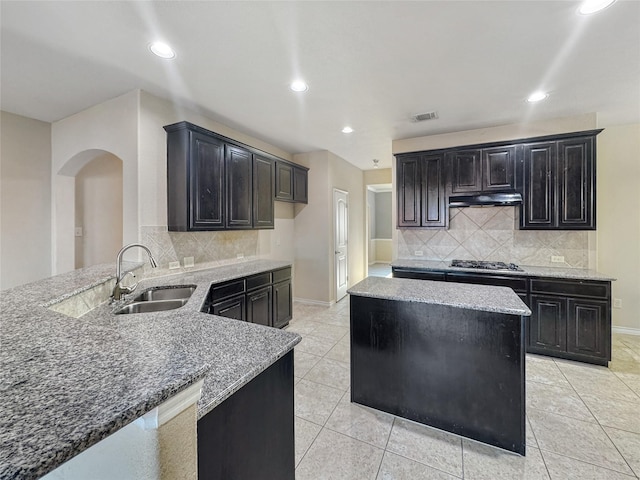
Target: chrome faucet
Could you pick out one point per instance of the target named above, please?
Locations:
(119, 290)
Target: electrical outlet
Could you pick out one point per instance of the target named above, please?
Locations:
(418, 253)
(174, 265)
(78, 231)
(617, 303)
(557, 259)
(240, 256)
(188, 262)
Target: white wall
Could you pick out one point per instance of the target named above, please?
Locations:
(25, 200)
(99, 211)
(618, 217)
(110, 127)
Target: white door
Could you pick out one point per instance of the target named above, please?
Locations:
(341, 222)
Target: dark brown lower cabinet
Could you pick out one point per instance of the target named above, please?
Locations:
(265, 298)
(547, 325)
(570, 318)
(251, 434)
(259, 306)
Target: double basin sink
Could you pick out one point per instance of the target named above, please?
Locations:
(158, 299)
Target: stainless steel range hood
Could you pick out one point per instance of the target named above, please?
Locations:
(486, 199)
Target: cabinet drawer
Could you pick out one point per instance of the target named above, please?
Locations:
(234, 307)
(282, 274)
(517, 284)
(418, 274)
(572, 288)
(259, 280)
(224, 290)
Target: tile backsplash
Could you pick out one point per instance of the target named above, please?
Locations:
(491, 233)
(207, 248)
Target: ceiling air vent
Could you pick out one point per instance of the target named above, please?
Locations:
(425, 116)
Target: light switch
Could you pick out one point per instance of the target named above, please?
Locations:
(188, 262)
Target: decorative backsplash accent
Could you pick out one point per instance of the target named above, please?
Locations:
(207, 248)
(491, 233)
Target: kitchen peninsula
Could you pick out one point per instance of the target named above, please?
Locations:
(447, 355)
(69, 383)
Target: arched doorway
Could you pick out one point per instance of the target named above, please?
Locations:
(88, 210)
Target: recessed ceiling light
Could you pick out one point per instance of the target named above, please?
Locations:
(299, 86)
(537, 96)
(347, 130)
(592, 6)
(162, 50)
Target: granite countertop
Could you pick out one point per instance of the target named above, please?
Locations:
(67, 382)
(474, 297)
(528, 271)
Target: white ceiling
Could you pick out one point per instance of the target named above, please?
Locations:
(371, 65)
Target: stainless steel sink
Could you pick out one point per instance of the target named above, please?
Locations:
(166, 293)
(152, 306)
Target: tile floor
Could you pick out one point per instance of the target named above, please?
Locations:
(583, 421)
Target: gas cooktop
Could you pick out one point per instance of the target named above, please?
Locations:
(485, 265)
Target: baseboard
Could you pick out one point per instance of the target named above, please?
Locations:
(626, 330)
(313, 302)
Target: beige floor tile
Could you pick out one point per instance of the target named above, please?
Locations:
(362, 423)
(531, 438)
(303, 362)
(429, 446)
(306, 433)
(615, 413)
(315, 345)
(331, 332)
(628, 445)
(482, 462)
(544, 370)
(303, 327)
(598, 381)
(583, 441)
(395, 467)
(565, 468)
(334, 456)
(331, 373)
(554, 399)
(315, 402)
(341, 352)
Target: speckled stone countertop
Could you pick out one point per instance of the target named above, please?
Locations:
(473, 297)
(528, 271)
(67, 383)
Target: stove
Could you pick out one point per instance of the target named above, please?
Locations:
(485, 265)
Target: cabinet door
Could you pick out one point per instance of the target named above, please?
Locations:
(207, 183)
(588, 330)
(284, 181)
(259, 306)
(576, 182)
(466, 171)
(538, 205)
(300, 185)
(263, 192)
(409, 185)
(548, 323)
(231, 308)
(498, 165)
(282, 303)
(432, 189)
(239, 175)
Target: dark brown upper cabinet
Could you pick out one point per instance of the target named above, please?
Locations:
(263, 192)
(559, 184)
(216, 183)
(420, 190)
(291, 182)
(482, 170)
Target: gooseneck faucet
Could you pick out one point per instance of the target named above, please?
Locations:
(119, 290)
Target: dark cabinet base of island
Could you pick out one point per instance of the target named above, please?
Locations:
(455, 369)
(251, 434)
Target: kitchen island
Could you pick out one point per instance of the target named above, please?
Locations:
(68, 383)
(446, 355)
